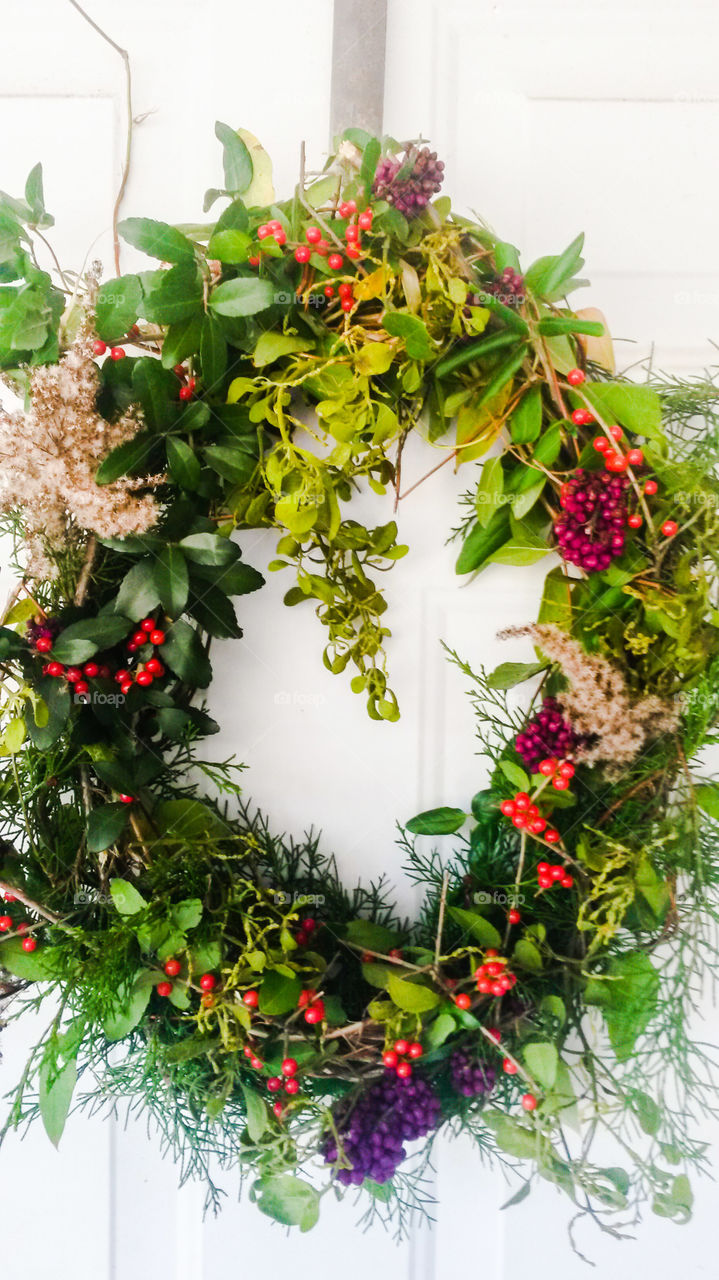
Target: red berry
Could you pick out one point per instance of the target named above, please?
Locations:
(132, 647)
(309, 924)
(278, 1109)
(556, 873)
(520, 821)
(566, 769)
(494, 1034)
(263, 231)
(582, 417)
(117, 353)
(172, 968)
(395, 953)
(365, 220)
(509, 1067)
(491, 952)
(99, 347)
(125, 687)
(254, 261)
(322, 248)
(601, 444)
(126, 799)
(567, 881)
(305, 997)
(521, 800)
(576, 377)
(274, 1084)
(44, 644)
(415, 1049)
(121, 676)
(552, 836)
(250, 998)
(345, 209)
(390, 1059)
(315, 1013)
(154, 667)
(352, 232)
(513, 916)
(81, 687)
(335, 261)
(529, 1102)
(207, 1001)
(536, 826)
(329, 291)
(651, 487)
(353, 251)
(484, 986)
(559, 784)
(91, 669)
(139, 638)
(5, 923)
(635, 457)
(157, 637)
(493, 969)
(498, 988)
(289, 1067)
(616, 433)
(104, 671)
(10, 897)
(208, 982)
(347, 304)
(401, 1046)
(669, 528)
(507, 808)
(292, 1086)
(463, 1001)
(29, 944)
(301, 938)
(185, 393)
(542, 868)
(313, 235)
(147, 624)
(345, 289)
(55, 669)
(303, 253)
(547, 767)
(256, 1063)
(164, 988)
(279, 235)
(404, 1070)
(635, 521)
(179, 369)
(544, 882)
(144, 678)
(615, 461)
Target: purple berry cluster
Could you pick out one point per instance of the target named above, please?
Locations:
(47, 629)
(470, 1076)
(547, 735)
(409, 182)
(507, 288)
(391, 1112)
(590, 530)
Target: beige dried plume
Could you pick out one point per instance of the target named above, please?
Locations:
(49, 456)
(598, 702)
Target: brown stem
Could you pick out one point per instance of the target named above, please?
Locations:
(29, 903)
(83, 581)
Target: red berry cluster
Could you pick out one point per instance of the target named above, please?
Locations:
(525, 816)
(287, 1080)
(314, 1008)
(493, 977)
(187, 390)
(316, 243)
(7, 923)
(116, 353)
(143, 675)
(256, 1063)
(396, 1059)
(548, 875)
(305, 931)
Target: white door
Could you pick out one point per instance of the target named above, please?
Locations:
(553, 117)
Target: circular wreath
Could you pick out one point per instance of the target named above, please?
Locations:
(271, 366)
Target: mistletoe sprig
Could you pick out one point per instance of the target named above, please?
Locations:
(272, 366)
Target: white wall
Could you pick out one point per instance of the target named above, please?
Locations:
(552, 117)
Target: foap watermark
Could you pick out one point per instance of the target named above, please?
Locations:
(283, 298)
(99, 699)
(298, 899)
(297, 698)
(85, 897)
(497, 898)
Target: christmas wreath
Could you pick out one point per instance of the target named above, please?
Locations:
(271, 364)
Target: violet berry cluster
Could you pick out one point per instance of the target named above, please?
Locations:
(373, 1133)
(590, 529)
(507, 287)
(471, 1077)
(408, 182)
(548, 734)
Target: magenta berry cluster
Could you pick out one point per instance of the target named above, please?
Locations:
(44, 630)
(391, 1112)
(590, 529)
(547, 734)
(471, 1077)
(508, 288)
(409, 182)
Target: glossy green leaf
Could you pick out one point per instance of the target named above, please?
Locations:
(171, 579)
(245, 296)
(105, 825)
(157, 239)
(412, 997)
(236, 159)
(437, 822)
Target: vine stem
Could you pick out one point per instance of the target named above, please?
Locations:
(128, 138)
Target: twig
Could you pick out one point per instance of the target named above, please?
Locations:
(128, 142)
(29, 903)
(440, 920)
(83, 581)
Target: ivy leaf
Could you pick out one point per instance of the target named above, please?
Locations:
(413, 997)
(138, 594)
(236, 159)
(244, 296)
(184, 654)
(171, 580)
(158, 239)
(118, 306)
(81, 640)
(412, 331)
(105, 825)
(278, 993)
(475, 924)
(126, 898)
(56, 1085)
(288, 1200)
(437, 822)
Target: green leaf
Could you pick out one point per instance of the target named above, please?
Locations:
(183, 463)
(278, 993)
(707, 797)
(556, 605)
(371, 936)
(509, 674)
(132, 1001)
(171, 579)
(244, 296)
(34, 194)
(105, 825)
(56, 1085)
(637, 408)
(184, 654)
(439, 1029)
(181, 340)
(412, 331)
(481, 543)
(236, 159)
(413, 997)
(511, 1136)
(627, 997)
(118, 306)
(132, 455)
(156, 389)
(187, 914)
(256, 1111)
(554, 1007)
(476, 925)
(234, 464)
(138, 594)
(230, 245)
(515, 774)
(33, 966)
(527, 955)
(490, 491)
(157, 239)
(648, 1113)
(541, 1060)
(437, 822)
(272, 346)
(209, 548)
(81, 640)
(549, 276)
(522, 547)
(525, 423)
(213, 353)
(175, 295)
(237, 579)
(126, 898)
(190, 819)
(288, 1200)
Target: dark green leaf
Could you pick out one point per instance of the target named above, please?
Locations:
(157, 239)
(175, 295)
(156, 389)
(105, 825)
(412, 331)
(171, 580)
(209, 548)
(183, 463)
(476, 925)
(481, 543)
(236, 159)
(509, 674)
(138, 593)
(184, 654)
(181, 340)
(525, 423)
(118, 306)
(278, 993)
(437, 822)
(213, 354)
(81, 640)
(244, 296)
(132, 456)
